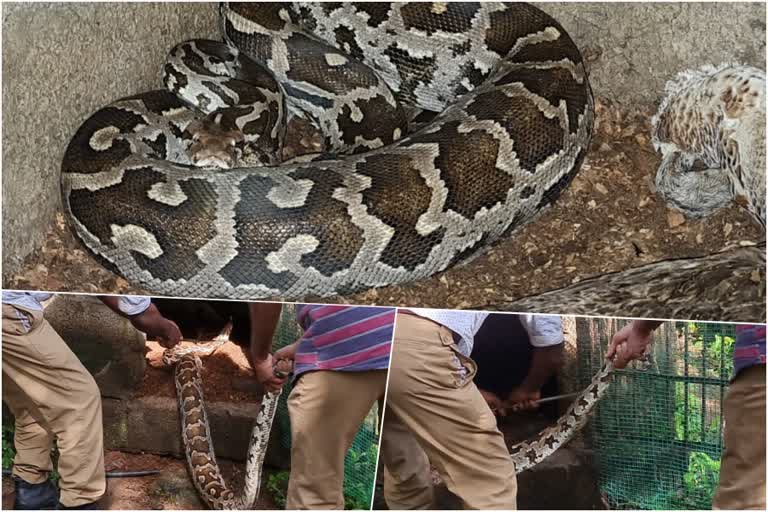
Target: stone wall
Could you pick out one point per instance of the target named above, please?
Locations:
(61, 62)
(633, 48)
(106, 343)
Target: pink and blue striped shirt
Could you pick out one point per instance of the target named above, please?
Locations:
(344, 338)
(749, 349)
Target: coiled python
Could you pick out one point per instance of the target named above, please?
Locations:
(201, 457)
(144, 188)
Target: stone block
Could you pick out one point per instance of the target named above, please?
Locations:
(106, 343)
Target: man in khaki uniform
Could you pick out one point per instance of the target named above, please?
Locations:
(742, 470)
(52, 395)
(339, 373)
(436, 415)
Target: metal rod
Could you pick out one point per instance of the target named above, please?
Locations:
(557, 397)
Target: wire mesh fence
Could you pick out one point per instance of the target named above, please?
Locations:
(360, 460)
(658, 433)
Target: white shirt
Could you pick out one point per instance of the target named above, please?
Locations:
(464, 323)
(130, 305)
(543, 330)
(133, 305)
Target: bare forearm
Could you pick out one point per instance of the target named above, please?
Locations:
(545, 363)
(264, 318)
(149, 321)
(647, 325)
(143, 321)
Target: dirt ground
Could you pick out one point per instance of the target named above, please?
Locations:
(170, 489)
(608, 220)
(226, 373)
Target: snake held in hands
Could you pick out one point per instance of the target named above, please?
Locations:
(181, 190)
(196, 432)
(205, 471)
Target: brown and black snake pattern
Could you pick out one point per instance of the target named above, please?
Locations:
(385, 206)
(196, 432)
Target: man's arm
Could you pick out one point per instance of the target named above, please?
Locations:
(264, 317)
(145, 317)
(545, 333)
(631, 341)
(546, 362)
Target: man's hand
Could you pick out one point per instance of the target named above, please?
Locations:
(265, 374)
(157, 326)
(521, 399)
(284, 359)
(150, 321)
(494, 402)
(288, 352)
(630, 342)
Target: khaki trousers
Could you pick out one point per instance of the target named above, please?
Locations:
(326, 410)
(435, 414)
(51, 394)
(742, 469)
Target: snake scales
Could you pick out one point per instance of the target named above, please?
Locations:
(196, 431)
(144, 188)
(201, 458)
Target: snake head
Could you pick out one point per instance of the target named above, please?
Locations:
(213, 145)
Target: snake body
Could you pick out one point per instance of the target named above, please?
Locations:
(529, 453)
(196, 433)
(382, 205)
(213, 489)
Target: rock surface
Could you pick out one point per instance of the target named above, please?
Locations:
(105, 342)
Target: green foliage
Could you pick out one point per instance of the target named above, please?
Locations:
(277, 485)
(9, 452)
(718, 349)
(359, 470)
(658, 435)
(699, 482)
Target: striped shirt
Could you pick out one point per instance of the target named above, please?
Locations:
(343, 338)
(749, 349)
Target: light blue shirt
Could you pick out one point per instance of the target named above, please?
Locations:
(130, 305)
(27, 300)
(543, 330)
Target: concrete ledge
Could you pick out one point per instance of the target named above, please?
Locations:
(152, 424)
(632, 49)
(106, 343)
(565, 481)
(61, 62)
